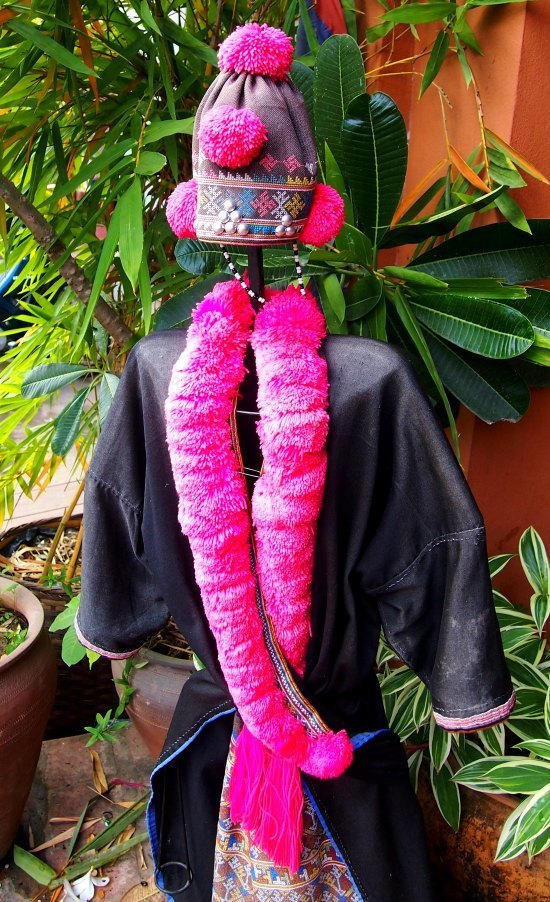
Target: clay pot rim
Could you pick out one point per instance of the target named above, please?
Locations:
(22, 602)
(167, 660)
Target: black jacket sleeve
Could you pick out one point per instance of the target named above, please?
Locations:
(121, 604)
(426, 568)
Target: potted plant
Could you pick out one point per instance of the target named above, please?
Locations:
(473, 854)
(27, 689)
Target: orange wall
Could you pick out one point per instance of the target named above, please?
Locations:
(506, 464)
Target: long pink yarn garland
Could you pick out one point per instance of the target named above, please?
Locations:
(213, 513)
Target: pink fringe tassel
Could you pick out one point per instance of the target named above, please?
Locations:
(267, 800)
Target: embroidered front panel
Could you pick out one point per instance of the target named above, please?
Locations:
(243, 871)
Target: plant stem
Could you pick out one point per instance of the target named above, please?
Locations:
(61, 528)
(75, 277)
(76, 553)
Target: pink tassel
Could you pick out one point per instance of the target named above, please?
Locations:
(267, 800)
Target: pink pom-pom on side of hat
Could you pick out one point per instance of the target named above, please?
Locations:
(258, 50)
(181, 209)
(232, 137)
(326, 217)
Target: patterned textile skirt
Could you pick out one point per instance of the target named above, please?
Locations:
(242, 870)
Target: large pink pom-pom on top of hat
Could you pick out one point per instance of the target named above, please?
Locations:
(181, 209)
(257, 50)
(232, 137)
(326, 217)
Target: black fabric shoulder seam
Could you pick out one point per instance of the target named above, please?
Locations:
(136, 508)
(459, 536)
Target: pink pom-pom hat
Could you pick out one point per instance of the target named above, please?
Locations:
(254, 157)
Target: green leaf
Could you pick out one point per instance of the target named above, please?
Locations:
(177, 309)
(71, 650)
(354, 245)
(102, 160)
(374, 144)
(540, 609)
(130, 244)
(482, 326)
(335, 296)
(68, 424)
(145, 295)
(530, 702)
(417, 13)
(147, 17)
(373, 325)
(534, 561)
(50, 47)
(446, 794)
(522, 775)
(116, 827)
(363, 296)
(309, 31)
(398, 680)
(33, 866)
(96, 861)
(107, 388)
(498, 562)
(302, 76)
(495, 251)
(440, 745)
(493, 739)
(437, 224)
(65, 618)
(540, 747)
(512, 212)
(424, 350)
(493, 391)
(335, 325)
(525, 674)
(150, 162)
(492, 289)
(197, 257)
(464, 64)
(49, 377)
(339, 78)
(414, 278)
(333, 174)
(414, 762)
(158, 130)
(104, 264)
(435, 60)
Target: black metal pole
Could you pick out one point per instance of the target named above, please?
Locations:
(256, 271)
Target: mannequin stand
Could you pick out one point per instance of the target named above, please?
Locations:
(247, 408)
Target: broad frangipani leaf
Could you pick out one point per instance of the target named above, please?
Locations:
(68, 423)
(374, 142)
(339, 78)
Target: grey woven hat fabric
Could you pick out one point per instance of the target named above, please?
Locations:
(268, 201)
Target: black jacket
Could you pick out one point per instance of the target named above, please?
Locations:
(400, 546)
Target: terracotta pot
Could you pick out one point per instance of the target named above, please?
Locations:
(464, 862)
(27, 689)
(158, 686)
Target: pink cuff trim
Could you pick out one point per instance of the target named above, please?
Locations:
(477, 721)
(113, 655)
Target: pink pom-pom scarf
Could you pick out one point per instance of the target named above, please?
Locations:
(254, 563)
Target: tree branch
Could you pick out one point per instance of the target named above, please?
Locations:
(75, 277)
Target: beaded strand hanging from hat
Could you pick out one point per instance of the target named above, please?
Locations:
(254, 184)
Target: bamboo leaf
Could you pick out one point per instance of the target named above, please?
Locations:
(158, 130)
(50, 47)
(150, 162)
(518, 158)
(435, 60)
(97, 861)
(418, 192)
(130, 243)
(33, 866)
(417, 13)
(147, 17)
(68, 424)
(466, 171)
(438, 223)
(108, 249)
(512, 212)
